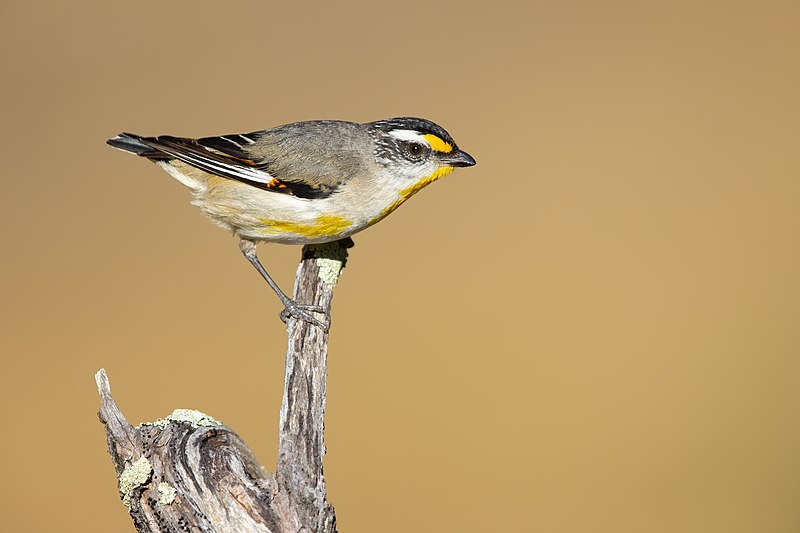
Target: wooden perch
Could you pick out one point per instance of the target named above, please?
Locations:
(188, 472)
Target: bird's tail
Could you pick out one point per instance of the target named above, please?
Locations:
(130, 142)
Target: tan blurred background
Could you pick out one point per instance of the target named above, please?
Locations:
(596, 329)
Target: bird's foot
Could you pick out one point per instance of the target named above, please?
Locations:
(303, 312)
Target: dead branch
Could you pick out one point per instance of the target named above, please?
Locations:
(188, 472)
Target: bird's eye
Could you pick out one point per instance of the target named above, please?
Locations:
(415, 149)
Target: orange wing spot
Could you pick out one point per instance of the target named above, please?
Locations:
(275, 183)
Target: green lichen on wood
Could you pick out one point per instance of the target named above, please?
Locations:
(135, 475)
(330, 258)
(195, 418)
(167, 494)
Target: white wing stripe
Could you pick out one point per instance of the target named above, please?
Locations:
(212, 164)
(233, 142)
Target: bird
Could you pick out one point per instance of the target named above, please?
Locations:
(306, 182)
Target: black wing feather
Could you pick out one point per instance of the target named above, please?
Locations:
(225, 156)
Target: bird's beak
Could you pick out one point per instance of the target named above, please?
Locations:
(458, 159)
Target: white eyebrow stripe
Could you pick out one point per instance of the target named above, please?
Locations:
(409, 135)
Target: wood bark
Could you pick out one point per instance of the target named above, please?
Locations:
(188, 472)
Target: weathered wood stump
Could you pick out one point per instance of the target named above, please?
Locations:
(188, 472)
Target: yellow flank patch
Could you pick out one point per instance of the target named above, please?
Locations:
(324, 226)
(408, 192)
(438, 144)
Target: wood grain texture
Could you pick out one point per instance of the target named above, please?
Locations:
(188, 472)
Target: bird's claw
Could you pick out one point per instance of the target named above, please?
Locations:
(303, 312)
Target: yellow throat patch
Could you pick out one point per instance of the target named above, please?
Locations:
(408, 192)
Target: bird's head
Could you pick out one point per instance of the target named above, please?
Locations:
(416, 151)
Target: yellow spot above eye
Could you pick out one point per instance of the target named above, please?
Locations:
(324, 226)
(438, 144)
(408, 192)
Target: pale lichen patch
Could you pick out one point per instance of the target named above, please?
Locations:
(195, 418)
(167, 494)
(329, 270)
(330, 260)
(132, 477)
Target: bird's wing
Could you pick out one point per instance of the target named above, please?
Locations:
(232, 157)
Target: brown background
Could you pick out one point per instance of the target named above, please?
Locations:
(593, 330)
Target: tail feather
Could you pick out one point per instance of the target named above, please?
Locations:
(130, 142)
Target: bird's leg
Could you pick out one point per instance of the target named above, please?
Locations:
(290, 307)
